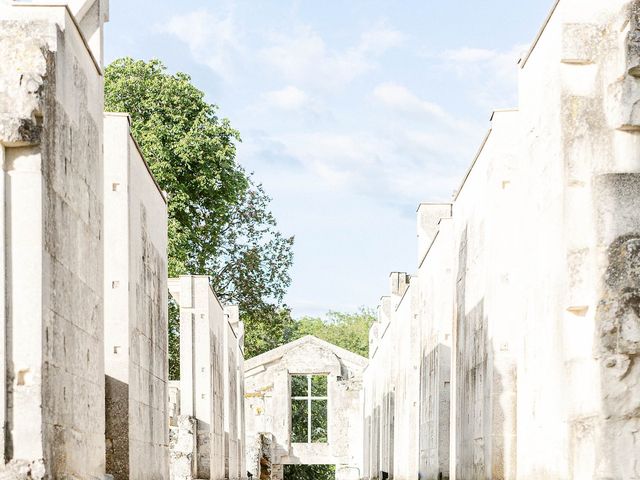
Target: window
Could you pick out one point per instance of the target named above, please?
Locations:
(309, 404)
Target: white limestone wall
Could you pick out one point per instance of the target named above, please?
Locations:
(234, 401)
(211, 353)
(540, 261)
(583, 259)
(486, 312)
(52, 327)
(407, 383)
(392, 384)
(136, 339)
(434, 312)
(267, 406)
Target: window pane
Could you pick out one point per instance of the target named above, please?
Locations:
(319, 386)
(319, 421)
(299, 386)
(299, 421)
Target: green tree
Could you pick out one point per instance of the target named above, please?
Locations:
(347, 330)
(219, 219)
(268, 329)
(309, 472)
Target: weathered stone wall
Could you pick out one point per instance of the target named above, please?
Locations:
(211, 351)
(52, 241)
(485, 259)
(233, 395)
(135, 310)
(580, 161)
(532, 283)
(394, 369)
(268, 407)
(434, 312)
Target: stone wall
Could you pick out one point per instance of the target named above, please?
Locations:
(83, 256)
(435, 310)
(393, 380)
(211, 353)
(52, 240)
(268, 408)
(234, 394)
(527, 288)
(136, 365)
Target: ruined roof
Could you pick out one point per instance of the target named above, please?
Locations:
(277, 353)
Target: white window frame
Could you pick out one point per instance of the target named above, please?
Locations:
(309, 398)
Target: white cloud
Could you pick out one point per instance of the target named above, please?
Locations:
(400, 98)
(288, 98)
(305, 59)
(466, 54)
(491, 75)
(212, 40)
(379, 39)
(394, 167)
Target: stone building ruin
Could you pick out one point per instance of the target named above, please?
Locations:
(303, 406)
(83, 310)
(207, 414)
(135, 309)
(510, 353)
(523, 363)
(51, 137)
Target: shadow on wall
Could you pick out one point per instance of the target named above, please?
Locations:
(204, 444)
(481, 450)
(434, 414)
(117, 428)
(380, 434)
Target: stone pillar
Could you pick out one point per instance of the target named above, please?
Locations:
(236, 401)
(202, 325)
(51, 138)
(136, 343)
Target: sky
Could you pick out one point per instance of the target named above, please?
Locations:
(351, 113)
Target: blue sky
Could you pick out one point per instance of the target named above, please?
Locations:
(351, 112)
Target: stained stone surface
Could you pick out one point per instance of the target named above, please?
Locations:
(524, 308)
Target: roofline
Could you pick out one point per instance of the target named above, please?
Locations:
(473, 164)
(176, 281)
(480, 150)
(525, 59)
(144, 160)
(279, 352)
(433, 242)
(406, 292)
(54, 4)
(439, 204)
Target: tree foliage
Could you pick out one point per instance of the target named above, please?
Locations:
(309, 472)
(219, 219)
(268, 329)
(347, 330)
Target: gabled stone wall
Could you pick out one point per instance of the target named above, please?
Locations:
(268, 409)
